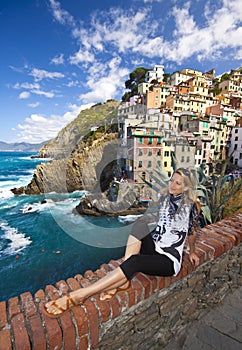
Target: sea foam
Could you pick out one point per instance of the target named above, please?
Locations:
(15, 241)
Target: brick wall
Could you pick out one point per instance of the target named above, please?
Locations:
(147, 316)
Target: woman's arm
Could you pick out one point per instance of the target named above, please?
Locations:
(193, 257)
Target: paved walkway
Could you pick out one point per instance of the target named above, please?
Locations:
(219, 329)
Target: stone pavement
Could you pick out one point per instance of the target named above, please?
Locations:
(219, 329)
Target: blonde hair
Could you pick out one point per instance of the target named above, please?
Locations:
(189, 187)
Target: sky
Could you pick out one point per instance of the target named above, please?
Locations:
(61, 56)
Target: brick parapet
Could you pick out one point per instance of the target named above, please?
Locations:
(23, 325)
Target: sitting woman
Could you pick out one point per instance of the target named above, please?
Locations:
(156, 253)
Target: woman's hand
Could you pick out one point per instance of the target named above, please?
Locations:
(194, 259)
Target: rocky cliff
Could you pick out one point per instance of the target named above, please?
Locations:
(101, 114)
(82, 159)
(86, 169)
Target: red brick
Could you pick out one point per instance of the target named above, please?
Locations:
(39, 295)
(53, 331)
(91, 276)
(131, 296)
(232, 228)
(13, 307)
(100, 273)
(188, 263)
(115, 307)
(168, 281)
(218, 246)
(206, 249)
(21, 338)
(82, 281)
(104, 308)
(5, 339)
(83, 344)
(93, 322)
(81, 320)
(28, 304)
(114, 263)
(145, 283)
(184, 269)
(37, 333)
(3, 314)
(69, 333)
(153, 282)
(137, 286)
(72, 282)
(122, 297)
(161, 283)
(62, 287)
(52, 292)
(106, 268)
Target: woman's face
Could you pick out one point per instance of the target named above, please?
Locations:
(176, 184)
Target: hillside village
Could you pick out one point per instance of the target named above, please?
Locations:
(184, 116)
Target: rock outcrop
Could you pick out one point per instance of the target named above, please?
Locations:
(83, 170)
(127, 203)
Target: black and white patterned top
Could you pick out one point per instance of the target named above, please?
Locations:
(176, 221)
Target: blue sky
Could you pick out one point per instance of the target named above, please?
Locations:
(59, 57)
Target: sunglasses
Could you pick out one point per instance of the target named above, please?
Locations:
(184, 171)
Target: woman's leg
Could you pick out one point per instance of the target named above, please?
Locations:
(114, 278)
(133, 247)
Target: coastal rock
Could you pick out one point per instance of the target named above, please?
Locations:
(88, 168)
(99, 205)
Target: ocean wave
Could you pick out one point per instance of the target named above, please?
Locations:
(5, 193)
(128, 218)
(12, 241)
(37, 206)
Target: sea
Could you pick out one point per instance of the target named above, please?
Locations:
(42, 239)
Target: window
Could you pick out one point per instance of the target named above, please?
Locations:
(140, 152)
(235, 147)
(149, 164)
(188, 159)
(140, 163)
(159, 152)
(182, 159)
(140, 139)
(166, 154)
(159, 140)
(150, 152)
(236, 138)
(236, 131)
(159, 163)
(165, 164)
(150, 141)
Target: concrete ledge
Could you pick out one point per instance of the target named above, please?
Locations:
(145, 316)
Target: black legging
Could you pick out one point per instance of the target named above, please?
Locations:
(148, 260)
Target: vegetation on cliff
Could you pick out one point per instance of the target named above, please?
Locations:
(98, 115)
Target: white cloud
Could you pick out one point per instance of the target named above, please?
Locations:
(34, 105)
(24, 95)
(38, 128)
(43, 93)
(26, 86)
(58, 59)
(59, 14)
(82, 56)
(107, 85)
(40, 74)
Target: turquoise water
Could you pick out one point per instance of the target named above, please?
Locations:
(41, 240)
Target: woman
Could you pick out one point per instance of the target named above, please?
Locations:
(157, 253)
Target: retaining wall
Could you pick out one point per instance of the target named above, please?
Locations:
(147, 316)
